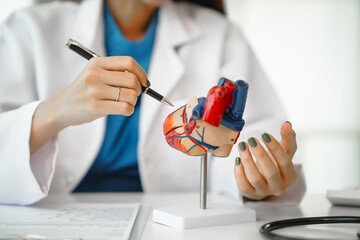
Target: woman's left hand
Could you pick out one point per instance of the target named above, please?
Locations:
(273, 170)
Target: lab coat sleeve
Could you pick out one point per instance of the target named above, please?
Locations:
(263, 112)
(24, 179)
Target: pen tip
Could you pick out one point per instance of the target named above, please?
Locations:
(164, 100)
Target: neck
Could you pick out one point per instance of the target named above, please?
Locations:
(132, 16)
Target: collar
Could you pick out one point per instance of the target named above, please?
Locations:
(89, 28)
(176, 18)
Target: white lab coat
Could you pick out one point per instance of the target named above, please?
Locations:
(193, 48)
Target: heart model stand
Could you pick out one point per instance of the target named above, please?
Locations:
(191, 216)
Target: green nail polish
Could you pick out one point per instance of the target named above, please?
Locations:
(237, 161)
(252, 142)
(242, 146)
(266, 137)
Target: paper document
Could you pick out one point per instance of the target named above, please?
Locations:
(75, 221)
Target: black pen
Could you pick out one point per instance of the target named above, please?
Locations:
(88, 54)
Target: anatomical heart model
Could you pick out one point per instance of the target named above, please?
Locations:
(210, 124)
(207, 125)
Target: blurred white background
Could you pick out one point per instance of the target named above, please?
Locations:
(310, 49)
(8, 6)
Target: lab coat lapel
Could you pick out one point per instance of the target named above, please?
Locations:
(89, 26)
(174, 30)
(88, 30)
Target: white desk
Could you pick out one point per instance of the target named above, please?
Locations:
(145, 229)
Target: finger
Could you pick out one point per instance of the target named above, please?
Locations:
(106, 92)
(269, 170)
(120, 94)
(242, 182)
(121, 63)
(283, 160)
(288, 139)
(121, 79)
(116, 108)
(251, 171)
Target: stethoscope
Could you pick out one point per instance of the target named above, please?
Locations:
(266, 229)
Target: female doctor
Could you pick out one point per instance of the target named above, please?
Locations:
(64, 128)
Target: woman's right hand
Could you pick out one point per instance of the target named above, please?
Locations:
(92, 95)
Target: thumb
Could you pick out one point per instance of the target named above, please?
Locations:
(288, 139)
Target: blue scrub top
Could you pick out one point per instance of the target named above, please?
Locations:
(115, 168)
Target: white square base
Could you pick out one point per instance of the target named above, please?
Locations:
(191, 216)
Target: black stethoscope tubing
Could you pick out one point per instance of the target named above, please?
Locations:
(266, 229)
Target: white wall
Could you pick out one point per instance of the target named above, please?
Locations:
(310, 49)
